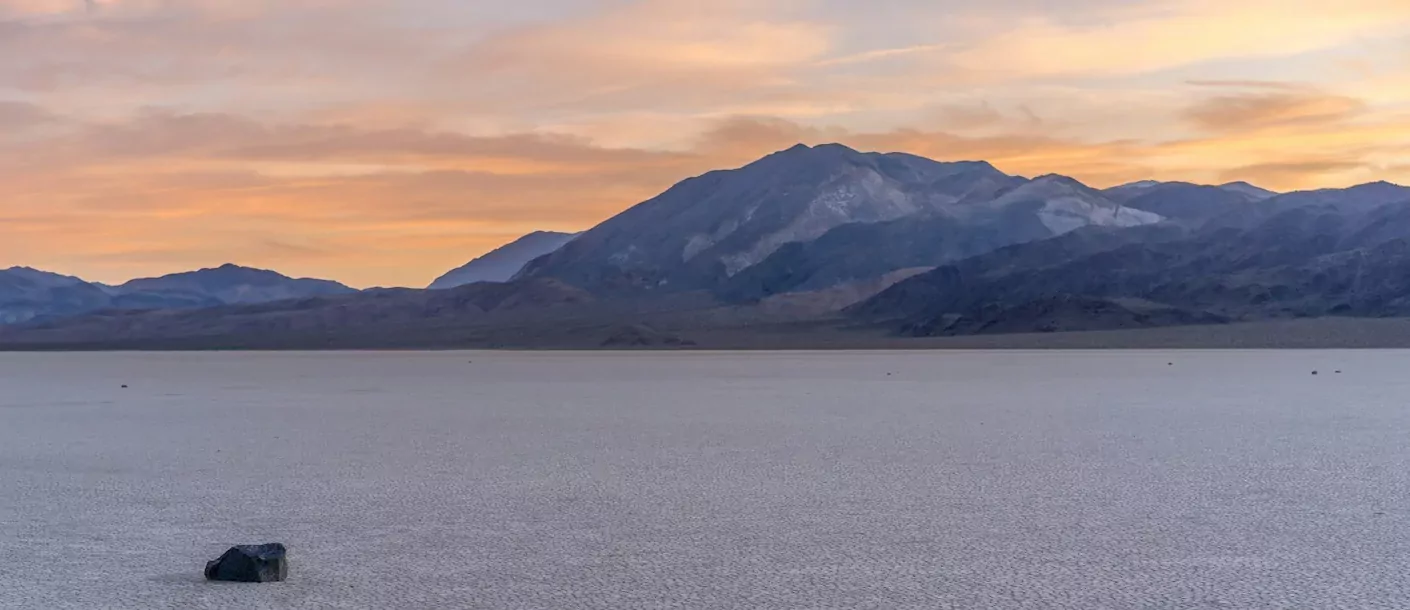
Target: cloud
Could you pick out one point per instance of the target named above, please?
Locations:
(1248, 84)
(15, 116)
(644, 54)
(226, 136)
(885, 54)
(297, 250)
(978, 115)
(40, 7)
(138, 52)
(1165, 35)
(1277, 108)
(1302, 173)
(403, 137)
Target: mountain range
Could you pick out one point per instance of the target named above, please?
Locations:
(1311, 254)
(30, 295)
(811, 246)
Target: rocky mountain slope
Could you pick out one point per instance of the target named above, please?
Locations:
(1127, 192)
(711, 232)
(1335, 253)
(27, 293)
(502, 263)
(1193, 203)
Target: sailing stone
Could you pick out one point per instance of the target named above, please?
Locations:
(250, 563)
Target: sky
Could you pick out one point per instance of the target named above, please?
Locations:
(383, 142)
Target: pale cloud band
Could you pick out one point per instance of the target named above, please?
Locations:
(380, 141)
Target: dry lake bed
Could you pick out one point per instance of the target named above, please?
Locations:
(988, 480)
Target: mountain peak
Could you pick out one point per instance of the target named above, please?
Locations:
(1246, 189)
(31, 272)
(40, 277)
(22, 270)
(701, 234)
(231, 284)
(1377, 189)
(797, 151)
(805, 151)
(1059, 179)
(504, 262)
(977, 164)
(228, 270)
(802, 155)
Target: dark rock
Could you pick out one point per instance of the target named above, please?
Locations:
(250, 563)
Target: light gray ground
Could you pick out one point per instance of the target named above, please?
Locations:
(710, 480)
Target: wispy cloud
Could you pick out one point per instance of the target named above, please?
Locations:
(1254, 111)
(1250, 84)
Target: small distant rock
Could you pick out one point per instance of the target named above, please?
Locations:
(124, 386)
(250, 563)
(1314, 372)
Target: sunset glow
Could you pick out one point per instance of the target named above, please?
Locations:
(382, 142)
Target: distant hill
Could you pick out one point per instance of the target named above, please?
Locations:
(232, 285)
(375, 317)
(1130, 191)
(28, 294)
(1253, 192)
(501, 264)
(1189, 202)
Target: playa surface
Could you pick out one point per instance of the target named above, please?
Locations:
(1057, 479)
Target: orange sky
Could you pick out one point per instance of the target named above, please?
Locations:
(382, 142)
